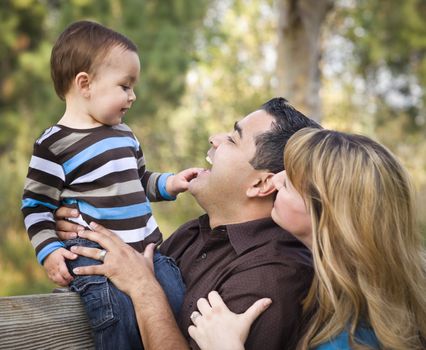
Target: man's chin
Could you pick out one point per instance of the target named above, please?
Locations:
(192, 186)
(197, 187)
(198, 182)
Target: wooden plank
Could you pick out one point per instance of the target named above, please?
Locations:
(45, 321)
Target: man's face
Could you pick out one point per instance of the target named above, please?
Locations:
(231, 173)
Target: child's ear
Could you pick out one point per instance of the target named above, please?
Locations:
(262, 187)
(82, 84)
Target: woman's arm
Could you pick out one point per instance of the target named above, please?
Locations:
(132, 272)
(216, 327)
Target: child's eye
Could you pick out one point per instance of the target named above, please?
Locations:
(125, 87)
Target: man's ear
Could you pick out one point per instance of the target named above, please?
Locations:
(262, 187)
(82, 84)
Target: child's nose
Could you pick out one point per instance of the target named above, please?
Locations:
(132, 96)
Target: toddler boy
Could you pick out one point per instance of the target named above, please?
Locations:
(90, 160)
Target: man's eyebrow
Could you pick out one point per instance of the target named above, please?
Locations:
(238, 129)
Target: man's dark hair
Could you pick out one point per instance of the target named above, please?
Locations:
(270, 144)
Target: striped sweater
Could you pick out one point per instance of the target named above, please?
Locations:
(99, 171)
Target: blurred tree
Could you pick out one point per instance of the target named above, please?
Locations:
(389, 49)
(22, 28)
(300, 25)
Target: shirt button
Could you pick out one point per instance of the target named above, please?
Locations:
(204, 255)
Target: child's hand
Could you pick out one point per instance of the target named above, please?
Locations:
(56, 268)
(179, 182)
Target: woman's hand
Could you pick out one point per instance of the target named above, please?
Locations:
(216, 327)
(123, 265)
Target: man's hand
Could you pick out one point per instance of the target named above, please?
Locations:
(55, 266)
(66, 229)
(133, 273)
(123, 265)
(216, 327)
(179, 182)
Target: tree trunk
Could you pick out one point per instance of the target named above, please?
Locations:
(299, 52)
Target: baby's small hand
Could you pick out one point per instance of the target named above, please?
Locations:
(55, 266)
(179, 182)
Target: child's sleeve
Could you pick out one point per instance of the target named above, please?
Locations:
(41, 198)
(153, 183)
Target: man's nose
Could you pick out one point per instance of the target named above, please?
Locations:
(217, 139)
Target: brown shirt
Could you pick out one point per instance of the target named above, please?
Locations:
(245, 262)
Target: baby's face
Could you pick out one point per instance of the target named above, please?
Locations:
(111, 89)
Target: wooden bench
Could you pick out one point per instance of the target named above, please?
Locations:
(45, 321)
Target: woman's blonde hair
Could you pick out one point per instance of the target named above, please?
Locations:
(368, 254)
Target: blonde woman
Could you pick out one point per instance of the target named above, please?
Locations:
(350, 201)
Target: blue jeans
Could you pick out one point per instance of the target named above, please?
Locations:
(110, 311)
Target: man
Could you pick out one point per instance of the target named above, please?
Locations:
(235, 249)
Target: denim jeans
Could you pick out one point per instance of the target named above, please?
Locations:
(110, 311)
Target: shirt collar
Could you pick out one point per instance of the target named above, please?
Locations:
(248, 235)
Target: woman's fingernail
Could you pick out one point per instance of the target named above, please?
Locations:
(73, 248)
(76, 270)
(74, 212)
(73, 235)
(93, 225)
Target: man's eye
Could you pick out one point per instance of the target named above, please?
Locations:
(230, 139)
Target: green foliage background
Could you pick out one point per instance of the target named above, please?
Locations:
(205, 64)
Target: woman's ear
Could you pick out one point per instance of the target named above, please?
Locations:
(82, 84)
(262, 187)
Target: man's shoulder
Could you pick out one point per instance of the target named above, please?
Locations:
(194, 226)
(283, 261)
(263, 241)
(191, 225)
(182, 237)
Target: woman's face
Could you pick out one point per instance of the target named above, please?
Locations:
(289, 209)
